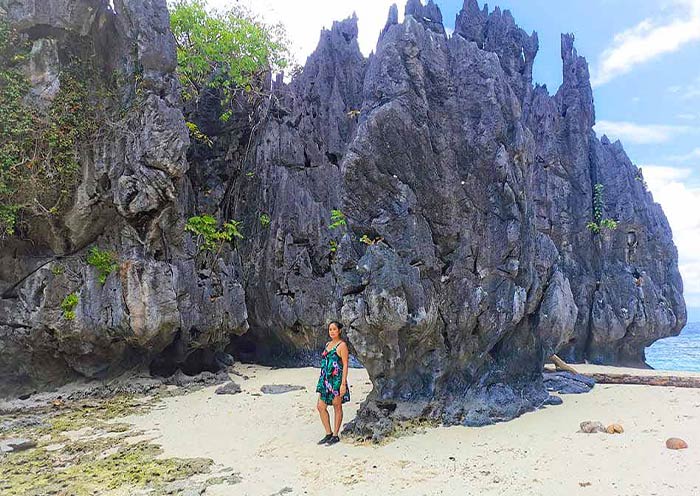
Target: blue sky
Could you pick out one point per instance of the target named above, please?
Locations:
(644, 57)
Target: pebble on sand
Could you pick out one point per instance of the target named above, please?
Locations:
(590, 427)
(676, 443)
(615, 429)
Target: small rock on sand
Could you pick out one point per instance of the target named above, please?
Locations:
(280, 388)
(615, 429)
(567, 383)
(228, 388)
(553, 400)
(676, 443)
(590, 427)
(16, 444)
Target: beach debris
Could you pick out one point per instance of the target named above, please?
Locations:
(614, 429)
(676, 443)
(584, 484)
(647, 380)
(228, 388)
(591, 427)
(560, 364)
(567, 383)
(15, 444)
(280, 388)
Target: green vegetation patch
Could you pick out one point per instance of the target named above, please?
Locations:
(104, 458)
(207, 234)
(40, 148)
(104, 261)
(337, 219)
(230, 50)
(68, 306)
(92, 467)
(599, 223)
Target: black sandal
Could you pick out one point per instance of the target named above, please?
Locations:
(332, 440)
(326, 439)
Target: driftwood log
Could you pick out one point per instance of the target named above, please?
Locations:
(560, 364)
(643, 380)
(647, 380)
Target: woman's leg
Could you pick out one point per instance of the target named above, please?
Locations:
(323, 412)
(338, 414)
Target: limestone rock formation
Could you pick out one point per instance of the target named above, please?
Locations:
(131, 200)
(465, 260)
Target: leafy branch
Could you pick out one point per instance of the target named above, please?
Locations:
(104, 261)
(68, 306)
(337, 219)
(599, 222)
(209, 238)
(230, 50)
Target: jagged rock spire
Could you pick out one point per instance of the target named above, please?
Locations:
(497, 32)
(576, 92)
(392, 19)
(428, 15)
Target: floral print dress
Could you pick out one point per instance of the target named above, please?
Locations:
(331, 377)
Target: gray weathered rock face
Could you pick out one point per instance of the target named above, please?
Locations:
(470, 188)
(132, 200)
(480, 188)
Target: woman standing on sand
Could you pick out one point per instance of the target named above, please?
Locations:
(333, 383)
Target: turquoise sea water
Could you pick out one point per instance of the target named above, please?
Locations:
(681, 352)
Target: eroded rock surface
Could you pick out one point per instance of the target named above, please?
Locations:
(131, 200)
(465, 260)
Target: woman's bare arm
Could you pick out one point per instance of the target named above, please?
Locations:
(343, 352)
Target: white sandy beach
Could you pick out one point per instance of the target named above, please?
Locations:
(270, 441)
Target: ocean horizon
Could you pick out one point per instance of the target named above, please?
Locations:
(680, 352)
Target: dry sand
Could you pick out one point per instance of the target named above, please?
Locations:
(270, 440)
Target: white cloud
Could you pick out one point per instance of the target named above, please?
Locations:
(661, 174)
(640, 133)
(692, 90)
(304, 19)
(648, 40)
(686, 92)
(688, 117)
(680, 202)
(695, 154)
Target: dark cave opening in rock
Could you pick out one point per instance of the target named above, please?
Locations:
(247, 348)
(176, 357)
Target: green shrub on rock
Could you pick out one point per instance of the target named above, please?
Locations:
(104, 261)
(40, 147)
(68, 306)
(229, 50)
